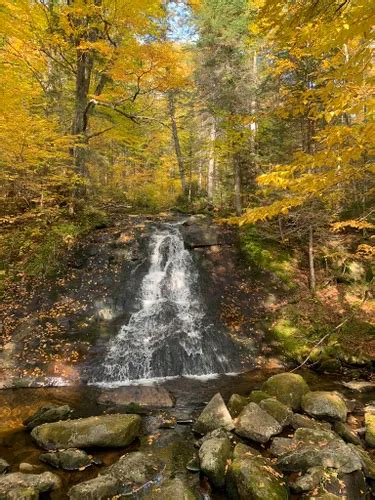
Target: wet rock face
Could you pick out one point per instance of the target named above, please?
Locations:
(71, 459)
(47, 414)
(95, 489)
(325, 405)
(17, 481)
(256, 424)
(215, 415)
(252, 476)
(104, 431)
(288, 388)
(214, 455)
(199, 235)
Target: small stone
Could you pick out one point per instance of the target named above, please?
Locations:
(277, 410)
(288, 388)
(236, 404)
(4, 466)
(348, 435)
(28, 468)
(256, 424)
(193, 465)
(325, 405)
(215, 415)
(213, 456)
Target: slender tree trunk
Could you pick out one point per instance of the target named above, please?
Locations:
(211, 164)
(176, 140)
(311, 260)
(237, 185)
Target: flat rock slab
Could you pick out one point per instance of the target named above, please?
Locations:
(360, 386)
(138, 395)
(256, 424)
(103, 431)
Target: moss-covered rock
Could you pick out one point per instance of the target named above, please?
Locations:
(325, 405)
(288, 388)
(4, 466)
(370, 430)
(347, 434)
(256, 424)
(368, 465)
(214, 455)
(258, 396)
(308, 481)
(277, 410)
(297, 421)
(70, 459)
(42, 483)
(96, 489)
(171, 489)
(28, 493)
(236, 403)
(103, 431)
(253, 477)
(214, 416)
(280, 446)
(47, 414)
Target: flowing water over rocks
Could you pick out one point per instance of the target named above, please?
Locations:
(170, 334)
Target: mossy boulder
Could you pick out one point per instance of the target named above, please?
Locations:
(214, 455)
(256, 424)
(28, 493)
(288, 388)
(4, 466)
(109, 431)
(258, 396)
(134, 469)
(42, 483)
(280, 446)
(347, 434)
(236, 403)
(171, 489)
(70, 459)
(277, 410)
(325, 405)
(297, 421)
(47, 414)
(370, 429)
(96, 489)
(214, 416)
(252, 476)
(368, 464)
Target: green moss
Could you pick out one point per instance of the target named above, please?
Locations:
(266, 254)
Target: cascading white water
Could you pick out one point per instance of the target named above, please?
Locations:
(169, 335)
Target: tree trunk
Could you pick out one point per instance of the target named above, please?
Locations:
(237, 186)
(311, 260)
(176, 140)
(211, 164)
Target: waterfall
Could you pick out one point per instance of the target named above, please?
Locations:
(170, 334)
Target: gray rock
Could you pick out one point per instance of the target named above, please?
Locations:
(202, 235)
(22, 494)
(287, 388)
(29, 468)
(215, 415)
(47, 414)
(256, 424)
(334, 454)
(4, 466)
(135, 469)
(325, 405)
(314, 436)
(253, 477)
(368, 465)
(171, 489)
(96, 489)
(360, 386)
(70, 459)
(217, 433)
(42, 483)
(344, 486)
(103, 431)
(214, 455)
(236, 403)
(297, 421)
(347, 433)
(277, 410)
(308, 481)
(280, 446)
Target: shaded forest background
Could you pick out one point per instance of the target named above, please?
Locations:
(256, 112)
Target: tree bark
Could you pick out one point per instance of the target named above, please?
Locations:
(176, 140)
(237, 186)
(311, 260)
(211, 164)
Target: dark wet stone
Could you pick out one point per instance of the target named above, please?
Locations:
(368, 464)
(104, 431)
(215, 415)
(96, 489)
(213, 456)
(201, 235)
(193, 465)
(256, 424)
(4, 466)
(287, 388)
(344, 486)
(47, 414)
(236, 404)
(348, 435)
(70, 459)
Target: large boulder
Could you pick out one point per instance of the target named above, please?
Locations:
(202, 235)
(42, 483)
(113, 431)
(171, 489)
(214, 416)
(277, 410)
(47, 414)
(70, 459)
(256, 424)
(297, 421)
(251, 476)
(347, 433)
(325, 405)
(214, 455)
(236, 404)
(96, 489)
(334, 454)
(370, 429)
(368, 464)
(287, 388)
